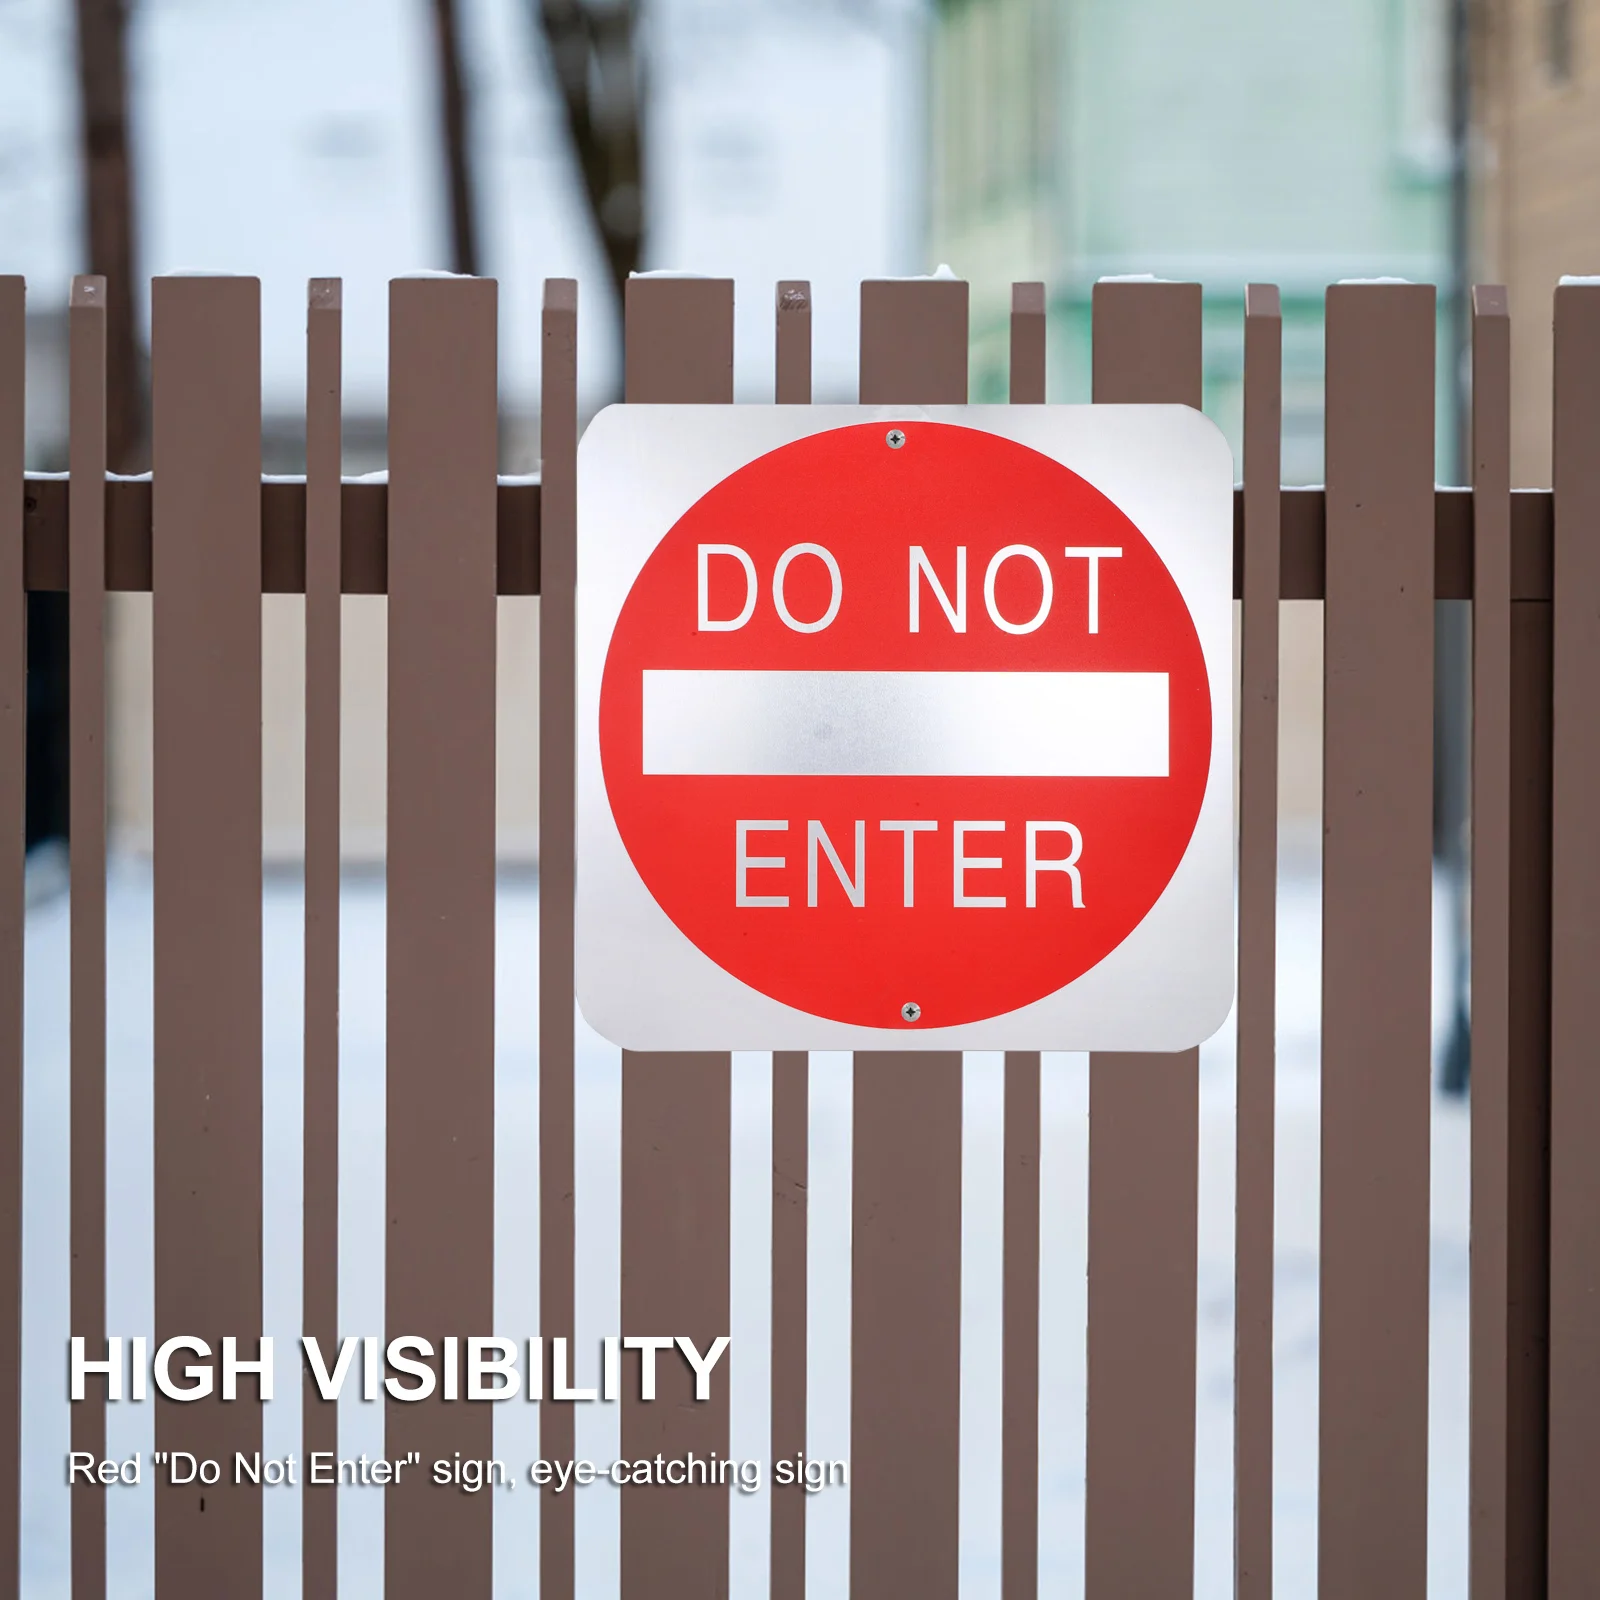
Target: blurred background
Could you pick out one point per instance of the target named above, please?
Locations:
(1295, 142)
(524, 139)
(1286, 141)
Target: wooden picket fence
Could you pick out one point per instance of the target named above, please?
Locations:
(441, 538)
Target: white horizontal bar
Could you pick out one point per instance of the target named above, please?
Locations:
(906, 724)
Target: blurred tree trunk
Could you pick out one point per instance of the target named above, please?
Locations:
(453, 119)
(1452, 642)
(108, 216)
(593, 52)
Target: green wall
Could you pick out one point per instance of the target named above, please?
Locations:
(1294, 142)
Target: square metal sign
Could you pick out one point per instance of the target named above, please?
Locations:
(905, 727)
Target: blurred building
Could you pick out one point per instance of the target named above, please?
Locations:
(1245, 141)
(1279, 141)
(1536, 104)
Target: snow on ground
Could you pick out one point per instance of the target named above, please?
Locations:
(1065, 1134)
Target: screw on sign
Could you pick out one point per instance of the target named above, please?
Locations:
(901, 730)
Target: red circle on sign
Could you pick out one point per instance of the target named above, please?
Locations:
(736, 774)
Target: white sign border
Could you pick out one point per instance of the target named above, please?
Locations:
(645, 985)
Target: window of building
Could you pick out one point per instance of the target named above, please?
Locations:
(1424, 84)
(1558, 39)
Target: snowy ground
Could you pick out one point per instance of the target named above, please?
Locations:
(361, 1298)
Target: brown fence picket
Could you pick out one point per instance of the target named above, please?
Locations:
(1575, 953)
(1491, 921)
(87, 830)
(791, 1104)
(792, 344)
(558, 431)
(1377, 942)
(791, 1108)
(319, 1537)
(676, 1108)
(1255, 1113)
(1019, 1362)
(905, 1348)
(441, 887)
(13, 807)
(1019, 1365)
(1028, 324)
(206, 406)
(1527, 1308)
(1144, 1150)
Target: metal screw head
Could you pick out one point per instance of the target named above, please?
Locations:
(896, 438)
(910, 1011)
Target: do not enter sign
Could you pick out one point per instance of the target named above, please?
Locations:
(899, 724)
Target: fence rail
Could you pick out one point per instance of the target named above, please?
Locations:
(364, 561)
(442, 536)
